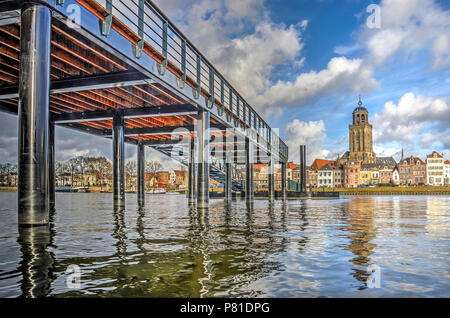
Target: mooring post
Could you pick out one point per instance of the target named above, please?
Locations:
(283, 180)
(303, 168)
(51, 164)
(228, 181)
(228, 185)
(249, 160)
(271, 179)
(141, 174)
(118, 159)
(191, 172)
(34, 98)
(203, 122)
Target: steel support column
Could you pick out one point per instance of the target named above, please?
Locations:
(303, 168)
(191, 172)
(51, 164)
(141, 174)
(203, 159)
(118, 160)
(271, 177)
(249, 160)
(228, 182)
(34, 96)
(283, 180)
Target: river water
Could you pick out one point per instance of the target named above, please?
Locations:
(366, 246)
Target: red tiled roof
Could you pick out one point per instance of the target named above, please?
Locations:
(432, 155)
(447, 162)
(259, 166)
(319, 163)
(291, 165)
(180, 172)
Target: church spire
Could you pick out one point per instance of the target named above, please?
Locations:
(360, 101)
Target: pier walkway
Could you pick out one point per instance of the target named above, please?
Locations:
(122, 70)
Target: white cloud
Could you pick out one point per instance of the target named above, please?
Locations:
(341, 75)
(312, 134)
(240, 39)
(252, 48)
(344, 50)
(408, 120)
(406, 27)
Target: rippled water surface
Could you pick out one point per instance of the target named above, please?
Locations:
(306, 248)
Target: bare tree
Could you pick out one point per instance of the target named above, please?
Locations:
(104, 169)
(153, 166)
(131, 169)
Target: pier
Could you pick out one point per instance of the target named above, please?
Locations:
(125, 72)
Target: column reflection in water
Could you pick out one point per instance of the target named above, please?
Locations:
(203, 248)
(303, 224)
(119, 234)
(37, 263)
(360, 213)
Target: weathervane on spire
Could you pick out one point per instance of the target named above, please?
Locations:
(360, 102)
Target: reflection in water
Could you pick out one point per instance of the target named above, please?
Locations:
(37, 263)
(119, 233)
(361, 232)
(283, 249)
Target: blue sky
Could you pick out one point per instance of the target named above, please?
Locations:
(302, 64)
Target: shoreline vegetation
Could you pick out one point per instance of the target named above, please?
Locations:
(388, 190)
(349, 191)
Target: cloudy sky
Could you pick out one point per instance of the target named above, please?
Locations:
(302, 64)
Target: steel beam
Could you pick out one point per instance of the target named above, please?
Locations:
(141, 112)
(141, 174)
(34, 87)
(191, 172)
(249, 159)
(84, 83)
(118, 160)
(203, 123)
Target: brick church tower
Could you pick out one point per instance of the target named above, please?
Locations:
(360, 136)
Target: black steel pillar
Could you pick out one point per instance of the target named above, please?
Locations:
(249, 160)
(271, 178)
(302, 168)
(141, 174)
(118, 160)
(228, 182)
(34, 97)
(203, 159)
(191, 172)
(283, 180)
(51, 164)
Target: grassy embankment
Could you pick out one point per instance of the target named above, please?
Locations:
(389, 190)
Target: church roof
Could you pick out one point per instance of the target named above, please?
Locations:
(319, 163)
(360, 107)
(386, 160)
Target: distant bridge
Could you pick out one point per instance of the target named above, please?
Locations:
(124, 72)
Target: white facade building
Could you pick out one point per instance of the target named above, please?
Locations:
(435, 169)
(325, 176)
(447, 172)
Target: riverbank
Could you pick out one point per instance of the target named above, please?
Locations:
(389, 191)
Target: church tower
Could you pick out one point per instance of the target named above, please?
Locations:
(360, 136)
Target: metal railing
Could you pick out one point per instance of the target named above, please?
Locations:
(172, 50)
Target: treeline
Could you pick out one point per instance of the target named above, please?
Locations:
(8, 174)
(100, 168)
(74, 171)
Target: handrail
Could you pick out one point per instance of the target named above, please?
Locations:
(191, 66)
